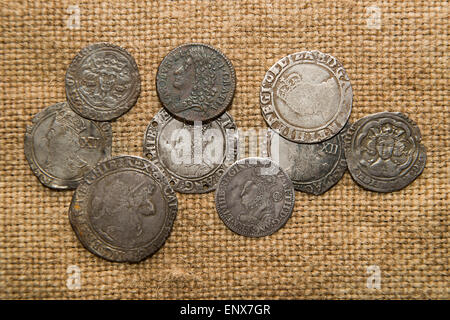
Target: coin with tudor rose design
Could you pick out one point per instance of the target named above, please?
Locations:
(306, 97)
(255, 197)
(124, 209)
(313, 167)
(192, 156)
(196, 82)
(102, 82)
(384, 152)
(61, 146)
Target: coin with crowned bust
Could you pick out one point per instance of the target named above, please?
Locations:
(195, 82)
(61, 146)
(192, 156)
(306, 97)
(313, 167)
(124, 209)
(384, 152)
(102, 82)
(255, 197)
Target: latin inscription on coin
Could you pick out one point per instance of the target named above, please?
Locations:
(102, 82)
(384, 152)
(195, 82)
(61, 146)
(124, 209)
(193, 156)
(255, 197)
(313, 168)
(306, 97)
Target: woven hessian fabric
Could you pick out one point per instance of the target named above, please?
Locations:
(325, 249)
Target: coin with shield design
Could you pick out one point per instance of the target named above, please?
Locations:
(192, 155)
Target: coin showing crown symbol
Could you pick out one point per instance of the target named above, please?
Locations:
(306, 97)
(54, 148)
(384, 151)
(102, 82)
(71, 120)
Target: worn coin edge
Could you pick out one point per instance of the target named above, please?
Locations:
(142, 252)
(84, 109)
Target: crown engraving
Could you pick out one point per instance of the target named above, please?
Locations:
(288, 85)
(71, 121)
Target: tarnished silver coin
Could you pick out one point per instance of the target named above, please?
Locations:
(102, 82)
(124, 209)
(255, 197)
(61, 146)
(306, 97)
(192, 156)
(196, 82)
(313, 167)
(384, 152)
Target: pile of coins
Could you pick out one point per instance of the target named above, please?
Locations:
(124, 207)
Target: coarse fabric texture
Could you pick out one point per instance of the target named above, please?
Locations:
(395, 53)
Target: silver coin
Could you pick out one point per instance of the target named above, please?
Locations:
(196, 82)
(192, 156)
(306, 97)
(255, 197)
(102, 82)
(313, 167)
(61, 146)
(384, 152)
(124, 209)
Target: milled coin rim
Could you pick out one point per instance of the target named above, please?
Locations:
(44, 177)
(163, 117)
(397, 183)
(227, 102)
(298, 134)
(78, 210)
(282, 223)
(88, 111)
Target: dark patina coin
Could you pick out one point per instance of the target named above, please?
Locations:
(255, 197)
(313, 167)
(195, 82)
(102, 82)
(124, 209)
(384, 152)
(61, 146)
(306, 97)
(192, 156)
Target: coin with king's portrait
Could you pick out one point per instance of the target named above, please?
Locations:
(255, 197)
(313, 167)
(124, 209)
(61, 146)
(195, 82)
(384, 152)
(306, 97)
(192, 156)
(102, 82)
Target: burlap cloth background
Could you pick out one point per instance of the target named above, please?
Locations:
(327, 245)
